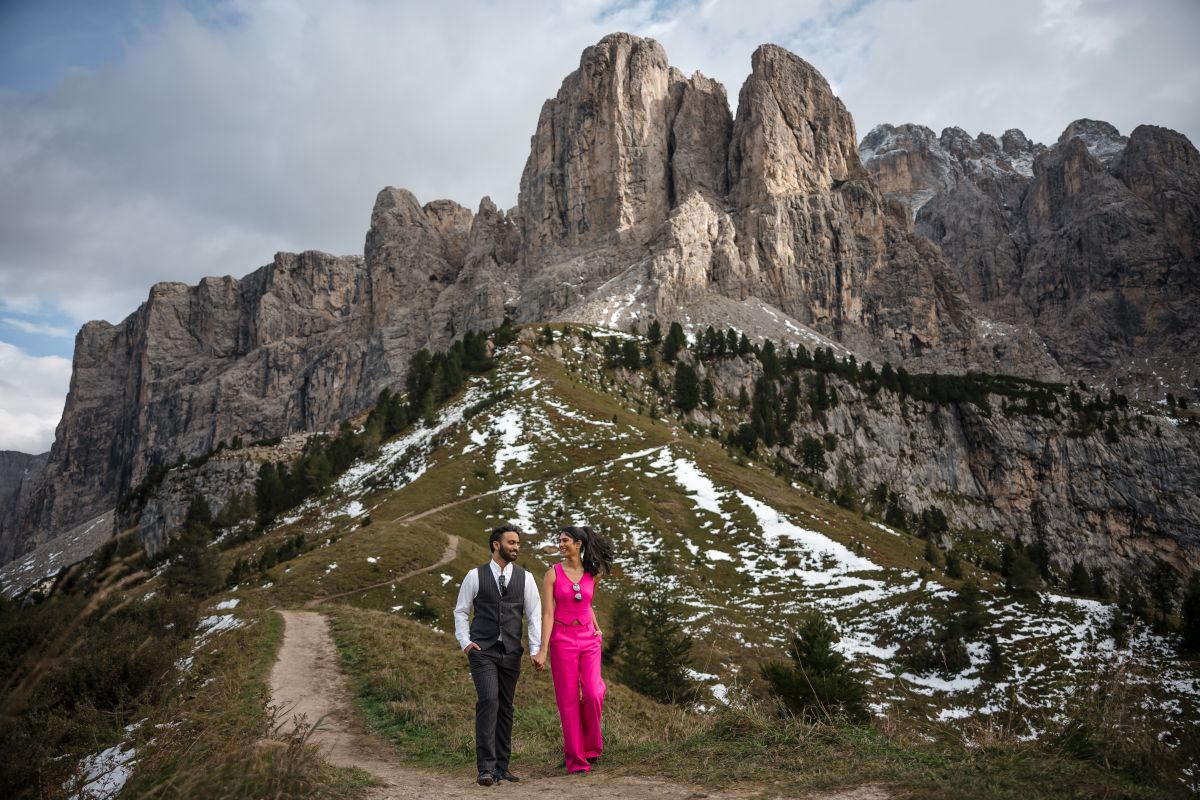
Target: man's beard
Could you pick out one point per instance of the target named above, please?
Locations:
(507, 556)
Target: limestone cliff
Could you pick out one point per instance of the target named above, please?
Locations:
(1091, 244)
(643, 196)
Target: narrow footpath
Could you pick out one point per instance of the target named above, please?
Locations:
(307, 684)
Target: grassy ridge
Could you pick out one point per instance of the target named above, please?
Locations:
(412, 686)
(218, 737)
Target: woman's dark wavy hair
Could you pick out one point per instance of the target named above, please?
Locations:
(596, 553)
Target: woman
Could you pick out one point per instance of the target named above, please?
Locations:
(571, 638)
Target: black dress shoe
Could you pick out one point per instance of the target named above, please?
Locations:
(593, 759)
(505, 775)
(486, 779)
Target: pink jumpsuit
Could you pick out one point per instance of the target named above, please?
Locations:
(575, 667)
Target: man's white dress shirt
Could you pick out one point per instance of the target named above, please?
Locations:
(466, 600)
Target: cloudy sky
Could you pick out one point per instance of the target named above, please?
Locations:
(146, 140)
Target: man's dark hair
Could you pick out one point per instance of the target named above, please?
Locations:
(498, 532)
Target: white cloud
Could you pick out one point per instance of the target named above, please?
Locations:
(1030, 64)
(36, 328)
(208, 147)
(33, 391)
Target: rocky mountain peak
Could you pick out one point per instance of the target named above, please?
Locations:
(1162, 168)
(1015, 143)
(792, 135)
(643, 196)
(1103, 140)
(701, 127)
(908, 163)
(598, 162)
(1062, 175)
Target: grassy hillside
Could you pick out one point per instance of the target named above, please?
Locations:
(1063, 710)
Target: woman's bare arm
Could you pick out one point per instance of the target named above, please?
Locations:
(547, 614)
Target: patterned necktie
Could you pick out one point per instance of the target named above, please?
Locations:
(503, 588)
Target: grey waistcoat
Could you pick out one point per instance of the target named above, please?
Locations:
(499, 618)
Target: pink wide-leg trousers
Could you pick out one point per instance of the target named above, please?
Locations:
(579, 691)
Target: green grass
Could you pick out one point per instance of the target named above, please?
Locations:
(413, 688)
(222, 740)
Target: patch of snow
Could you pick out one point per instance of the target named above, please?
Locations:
(211, 626)
(105, 773)
(939, 684)
(509, 426)
(703, 491)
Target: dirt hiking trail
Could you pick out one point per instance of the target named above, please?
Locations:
(307, 682)
(449, 555)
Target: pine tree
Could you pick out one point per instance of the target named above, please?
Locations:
(674, 342)
(714, 343)
(763, 411)
(506, 334)
(475, 357)
(193, 567)
(708, 394)
(631, 356)
(1080, 582)
(745, 438)
(818, 393)
(199, 511)
(887, 378)
(686, 388)
(846, 496)
(894, 513)
(996, 661)
(1189, 613)
(1099, 584)
(970, 613)
(270, 496)
(1163, 583)
(933, 522)
(316, 472)
(654, 333)
(654, 657)
(954, 568)
(812, 454)
(1039, 553)
(419, 380)
(1022, 576)
(770, 361)
(818, 682)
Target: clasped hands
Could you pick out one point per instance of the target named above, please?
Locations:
(539, 660)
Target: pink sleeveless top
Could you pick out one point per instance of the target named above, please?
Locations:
(568, 610)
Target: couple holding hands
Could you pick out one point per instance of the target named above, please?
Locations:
(492, 601)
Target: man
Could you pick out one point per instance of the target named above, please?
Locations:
(499, 593)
